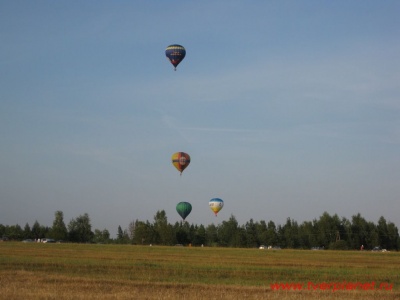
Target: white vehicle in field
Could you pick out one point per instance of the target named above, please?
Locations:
(48, 241)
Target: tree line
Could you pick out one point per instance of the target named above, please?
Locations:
(327, 232)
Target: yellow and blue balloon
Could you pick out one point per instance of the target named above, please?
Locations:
(216, 204)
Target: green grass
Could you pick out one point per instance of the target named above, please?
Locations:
(238, 270)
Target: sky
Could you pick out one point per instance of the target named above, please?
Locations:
(288, 109)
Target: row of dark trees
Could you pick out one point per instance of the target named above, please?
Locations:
(328, 232)
(79, 230)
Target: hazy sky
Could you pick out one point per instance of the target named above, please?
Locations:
(287, 109)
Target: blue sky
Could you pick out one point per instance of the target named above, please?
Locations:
(287, 108)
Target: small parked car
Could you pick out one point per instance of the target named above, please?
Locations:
(48, 241)
(274, 248)
(317, 248)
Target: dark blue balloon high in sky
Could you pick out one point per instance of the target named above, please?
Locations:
(175, 53)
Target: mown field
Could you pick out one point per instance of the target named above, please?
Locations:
(75, 271)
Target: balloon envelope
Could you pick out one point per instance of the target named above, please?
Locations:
(216, 204)
(175, 53)
(183, 209)
(180, 160)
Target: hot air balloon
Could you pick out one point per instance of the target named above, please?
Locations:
(183, 209)
(180, 160)
(175, 53)
(216, 205)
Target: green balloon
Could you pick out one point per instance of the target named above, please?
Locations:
(184, 209)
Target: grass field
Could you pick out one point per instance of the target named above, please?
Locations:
(75, 271)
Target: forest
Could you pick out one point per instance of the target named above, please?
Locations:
(326, 232)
